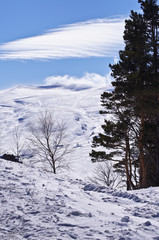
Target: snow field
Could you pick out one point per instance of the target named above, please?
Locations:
(37, 205)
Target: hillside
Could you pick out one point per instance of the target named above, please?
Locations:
(77, 105)
(37, 205)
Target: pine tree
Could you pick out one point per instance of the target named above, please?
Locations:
(117, 138)
(134, 135)
(151, 123)
(151, 16)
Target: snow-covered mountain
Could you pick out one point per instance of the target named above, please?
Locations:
(74, 104)
(37, 205)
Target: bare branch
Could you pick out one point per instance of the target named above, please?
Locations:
(18, 142)
(104, 175)
(47, 140)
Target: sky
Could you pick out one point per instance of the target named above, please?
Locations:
(60, 39)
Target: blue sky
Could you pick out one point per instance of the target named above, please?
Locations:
(41, 39)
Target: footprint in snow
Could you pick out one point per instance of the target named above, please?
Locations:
(125, 219)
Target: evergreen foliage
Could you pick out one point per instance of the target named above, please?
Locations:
(131, 138)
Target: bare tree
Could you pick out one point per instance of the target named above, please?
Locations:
(48, 141)
(18, 142)
(104, 175)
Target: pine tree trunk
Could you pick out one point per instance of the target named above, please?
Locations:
(143, 181)
(157, 152)
(128, 166)
(157, 115)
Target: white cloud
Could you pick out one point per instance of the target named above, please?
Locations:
(95, 38)
(88, 80)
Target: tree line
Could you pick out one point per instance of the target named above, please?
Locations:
(130, 133)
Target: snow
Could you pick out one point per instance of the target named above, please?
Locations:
(78, 107)
(38, 205)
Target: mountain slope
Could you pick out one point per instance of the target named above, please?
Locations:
(36, 205)
(77, 105)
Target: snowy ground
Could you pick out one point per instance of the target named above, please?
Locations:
(36, 205)
(40, 206)
(78, 106)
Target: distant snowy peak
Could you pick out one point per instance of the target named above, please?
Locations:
(72, 83)
(72, 87)
(19, 87)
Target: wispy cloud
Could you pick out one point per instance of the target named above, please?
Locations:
(95, 38)
(88, 80)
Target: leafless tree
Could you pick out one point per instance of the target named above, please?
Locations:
(104, 175)
(48, 141)
(18, 142)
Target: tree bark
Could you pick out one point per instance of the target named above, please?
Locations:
(128, 166)
(143, 182)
